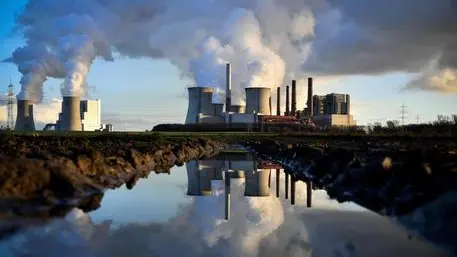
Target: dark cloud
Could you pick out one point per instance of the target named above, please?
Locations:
(374, 37)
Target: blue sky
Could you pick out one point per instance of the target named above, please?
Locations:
(138, 94)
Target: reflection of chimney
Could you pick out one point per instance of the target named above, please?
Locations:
(310, 97)
(71, 114)
(278, 175)
(294, 98)
(227, 195)
(228, 89)
(292, 190)
(309, 193)
(287, 186)
(278, 102)
(287, 113)
(257, 183)
(24, 119)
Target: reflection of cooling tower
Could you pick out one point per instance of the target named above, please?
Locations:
(71, 114)
(218, 109)
(258, 100)
(200, 101)
(237, 108)
(198, 181)
(257, 183)
(24, 119)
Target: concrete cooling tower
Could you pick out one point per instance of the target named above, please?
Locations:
(71, 114)
(258, 100)
(257, 183)
(238, 108)
(24, 119)
(200, 101)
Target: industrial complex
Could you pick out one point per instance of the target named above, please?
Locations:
(76, 115)
(328, 110)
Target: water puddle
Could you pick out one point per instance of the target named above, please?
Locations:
(230, 205)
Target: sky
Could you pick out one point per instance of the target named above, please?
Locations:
(139, 93)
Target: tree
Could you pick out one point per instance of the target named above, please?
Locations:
(391, 124)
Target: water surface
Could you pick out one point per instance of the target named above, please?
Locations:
(227, 206)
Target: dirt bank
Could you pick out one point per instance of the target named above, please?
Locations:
(50, 169)
(389, 177)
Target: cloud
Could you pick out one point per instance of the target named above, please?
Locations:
(376, 37)
(434, 79)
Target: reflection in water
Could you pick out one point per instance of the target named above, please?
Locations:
(231, 214)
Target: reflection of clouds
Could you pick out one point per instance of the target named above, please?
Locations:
(258, 226)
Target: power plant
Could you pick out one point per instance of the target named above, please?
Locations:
(258, 110)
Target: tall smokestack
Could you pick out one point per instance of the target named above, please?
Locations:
(71, 114)
(228, 89)
(287, 101)
(278, 102)
(269, 103)
(24, 119)
(294, 98)
(310, 97)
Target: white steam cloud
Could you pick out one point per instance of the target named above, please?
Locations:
(269, 42)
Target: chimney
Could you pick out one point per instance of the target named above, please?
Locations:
(310, 97)
(71, 114)
(257, 100)
(287, 113)
(294, 98)
(269, 103)
(24, 119)
(278, 102)
(228, 89)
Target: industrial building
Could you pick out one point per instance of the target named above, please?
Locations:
(329, 110)
(333, 110)
(80, 115)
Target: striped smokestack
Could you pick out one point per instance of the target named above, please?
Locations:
(287, 113)
(278, 102)
(228, 89)
(294, 98)
(310, 97)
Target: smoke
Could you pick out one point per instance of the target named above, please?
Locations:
(269, 42)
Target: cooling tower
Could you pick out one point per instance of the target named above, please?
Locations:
(258, 100)
(238, 109)
(310, 97)
(287, 113)
(228, 88)
(24, 119)
(294, 98)
(278, 102)
(257, 183)
(71, 114)
(200, 101)
(198, 181)
(218, 109)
